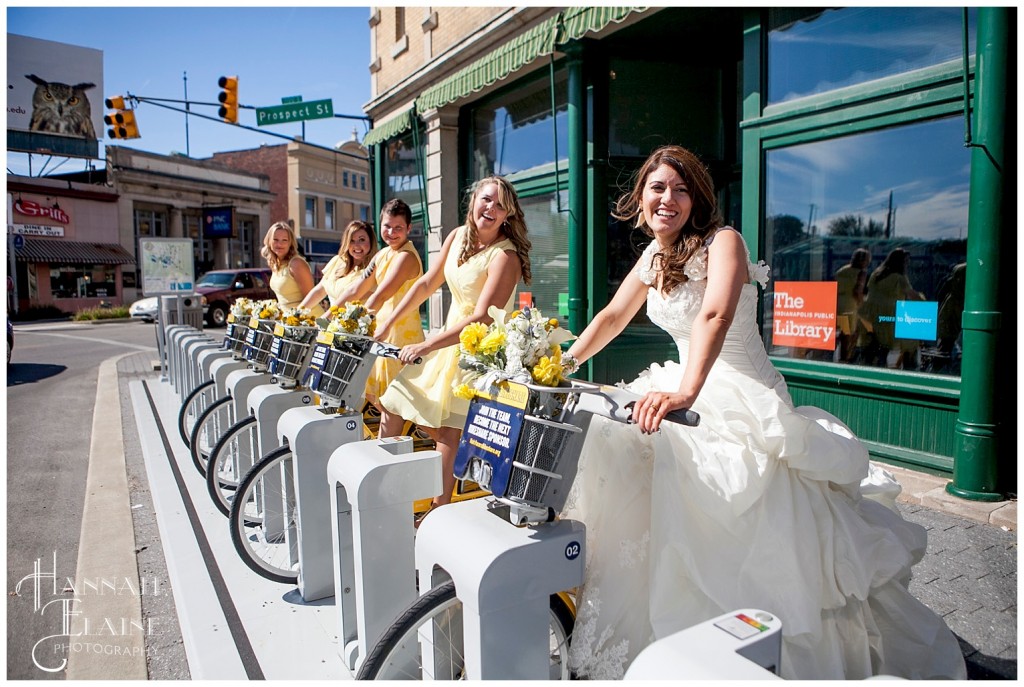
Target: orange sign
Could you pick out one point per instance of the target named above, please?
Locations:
(805, 314)
(525, 299)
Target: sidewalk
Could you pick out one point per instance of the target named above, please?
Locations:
(968, 575)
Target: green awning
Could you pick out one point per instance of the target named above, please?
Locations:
(391, 128)
(579, 21)
(496, 65)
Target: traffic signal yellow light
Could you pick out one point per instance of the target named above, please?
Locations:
(228, 99)
(121, 121)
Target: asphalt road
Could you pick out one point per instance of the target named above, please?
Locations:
(51, 394)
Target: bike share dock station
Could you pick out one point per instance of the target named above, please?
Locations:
(339, 510)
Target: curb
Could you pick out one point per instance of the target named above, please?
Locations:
(107, 636)
(930, 491)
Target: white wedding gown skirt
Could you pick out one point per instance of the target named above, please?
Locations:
(760, 506)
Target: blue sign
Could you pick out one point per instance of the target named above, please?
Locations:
(219, 223)
(488, 444)
(19, 241)
(917, 320)
(316, 365)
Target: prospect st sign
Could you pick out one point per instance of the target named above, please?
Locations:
(294, 112)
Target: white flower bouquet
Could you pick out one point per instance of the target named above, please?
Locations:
(523, 346)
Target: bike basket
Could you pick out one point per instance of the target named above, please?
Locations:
(290, 350)
(516, 445)
(234, 338)
(338, 369)
(257, 343)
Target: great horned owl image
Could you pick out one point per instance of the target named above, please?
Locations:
(58, 108)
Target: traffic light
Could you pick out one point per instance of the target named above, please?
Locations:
(228, 99)
(122, 120)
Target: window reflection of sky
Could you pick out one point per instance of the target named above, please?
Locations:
(857, 44)
(925, 166)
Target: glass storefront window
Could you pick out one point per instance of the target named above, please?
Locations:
(842, 47)
(83, 281)
(514, 134)
(402, 170)
(901, 195)
(549, 256)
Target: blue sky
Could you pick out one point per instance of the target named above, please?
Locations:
(315, 52)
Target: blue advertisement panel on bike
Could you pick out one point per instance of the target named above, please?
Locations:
(491, 436)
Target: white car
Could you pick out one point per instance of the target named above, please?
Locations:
(145, 309)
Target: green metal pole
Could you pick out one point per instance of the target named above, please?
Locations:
(577, 120)
(975, 466)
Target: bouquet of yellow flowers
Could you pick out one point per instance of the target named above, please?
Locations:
(267, 309)
(522, 346)
(242, 309)
(299, 324)
(351, 318)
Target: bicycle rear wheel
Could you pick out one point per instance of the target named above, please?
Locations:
(193, 406)
(232, 457)
(213, 422)
(433, 625)
(263, 518)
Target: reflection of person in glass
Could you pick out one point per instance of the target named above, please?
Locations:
(851, 281)
(888, 284)
(951, 308)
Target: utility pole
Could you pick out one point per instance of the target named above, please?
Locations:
(888, 218)
(184, 77)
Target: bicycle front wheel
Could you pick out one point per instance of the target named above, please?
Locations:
(263, 518)
(232, 457)
(193, 406)
(212, 423)
(426, 641)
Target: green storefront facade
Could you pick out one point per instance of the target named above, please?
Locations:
(826, 132)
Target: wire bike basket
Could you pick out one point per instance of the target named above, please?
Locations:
(290, 351)
(257, 343)
(522, 444)
(234, 337)
(339, 367)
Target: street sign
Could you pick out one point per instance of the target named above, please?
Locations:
(294, 112)
(287, 100)
(19, 242)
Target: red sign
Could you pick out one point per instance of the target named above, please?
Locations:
(525, 299)
(30, 208)
(805, 314)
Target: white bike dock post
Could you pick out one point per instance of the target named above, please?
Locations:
(189, 375)
(373, 485)
(179, 357)
(221, 369)
(313, 436)
(267, 404)
(504, 576)
(742, 645)
(204, 363)
(172, 340)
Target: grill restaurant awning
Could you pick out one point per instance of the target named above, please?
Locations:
(56, 251)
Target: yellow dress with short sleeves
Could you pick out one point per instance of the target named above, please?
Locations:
(289, 294)
(407, 330)
(423, 393)
(335, 286)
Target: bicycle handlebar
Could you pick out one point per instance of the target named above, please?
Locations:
(386, 350)
(612, 402)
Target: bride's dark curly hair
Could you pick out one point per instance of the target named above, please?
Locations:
(703, 220)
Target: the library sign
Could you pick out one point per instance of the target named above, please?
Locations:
(805, 314)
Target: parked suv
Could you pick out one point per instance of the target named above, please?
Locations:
(221, 288)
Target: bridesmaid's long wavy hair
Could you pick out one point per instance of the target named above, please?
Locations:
(346, 241)
(703, 220)
(267, 251)
(514, 227)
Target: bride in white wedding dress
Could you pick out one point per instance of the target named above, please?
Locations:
(763, 505)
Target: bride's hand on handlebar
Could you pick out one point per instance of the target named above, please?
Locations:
(650, 410)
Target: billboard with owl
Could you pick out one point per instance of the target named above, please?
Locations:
(54, 96)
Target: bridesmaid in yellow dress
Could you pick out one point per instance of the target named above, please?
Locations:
(481, 261)
(393, 271)
(346, 268)
(291, 279)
